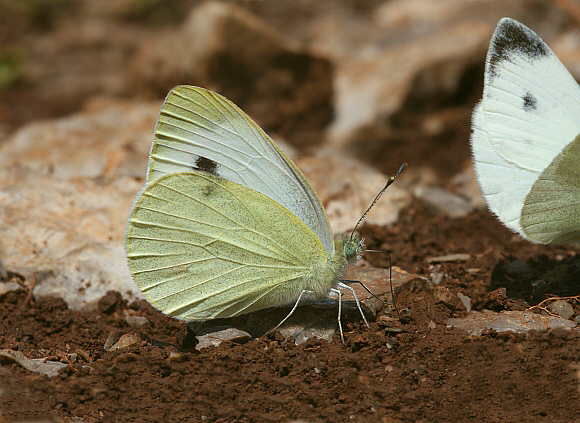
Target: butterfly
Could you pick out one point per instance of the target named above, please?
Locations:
(525, 137)
(226, 224)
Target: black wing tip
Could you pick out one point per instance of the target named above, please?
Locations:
(510, 39)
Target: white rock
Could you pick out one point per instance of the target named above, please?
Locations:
(372, 89)
(508, 321)
(66, 189)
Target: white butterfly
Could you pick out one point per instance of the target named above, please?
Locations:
(226, 224)
(525, 137)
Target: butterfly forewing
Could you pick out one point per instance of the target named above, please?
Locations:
(201, 130)
(528, 114)
(529, 98)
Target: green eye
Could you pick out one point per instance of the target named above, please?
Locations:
(353, 247)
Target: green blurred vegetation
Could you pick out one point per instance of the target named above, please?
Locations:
(11, 60)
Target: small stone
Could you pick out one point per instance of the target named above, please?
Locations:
(320, 368)
(111, 339)
(137, 321)
(432, 325)
(215, 338)
(465, 300)
(436, 274)
(125, 341)
(177, 357)
(561, 308)
(405, 316)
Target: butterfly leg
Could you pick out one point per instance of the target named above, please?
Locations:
(291, 311)
(339, 293)
(342, 285)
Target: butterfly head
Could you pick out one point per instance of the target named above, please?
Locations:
(353, 248)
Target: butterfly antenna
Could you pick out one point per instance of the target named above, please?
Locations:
(389, 182)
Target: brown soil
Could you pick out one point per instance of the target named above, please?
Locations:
(400, 370)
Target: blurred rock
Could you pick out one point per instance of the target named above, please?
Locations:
(448, 258)
(567, 48)
(347, 187)
(371, 90)
(562, 308)
(285, 87)
(401, 20)
(508, 321)
(442, 201)
(109, 302)
(108, 138)
(443, 295)
(66, 189)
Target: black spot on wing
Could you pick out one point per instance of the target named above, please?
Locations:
(530, 102)
(512, 39)
(206, 165)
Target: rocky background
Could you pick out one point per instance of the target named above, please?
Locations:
(350, 89)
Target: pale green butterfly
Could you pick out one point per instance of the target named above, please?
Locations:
(226, 224)
(525, 138)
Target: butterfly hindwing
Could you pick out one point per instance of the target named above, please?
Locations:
(203, 247)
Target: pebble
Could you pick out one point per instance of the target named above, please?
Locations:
(465, 300)
(215, 338)
(36, 365)
(111, 339)
(125, 341)
(136, 321)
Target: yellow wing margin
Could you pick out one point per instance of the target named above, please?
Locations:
(202, 247)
